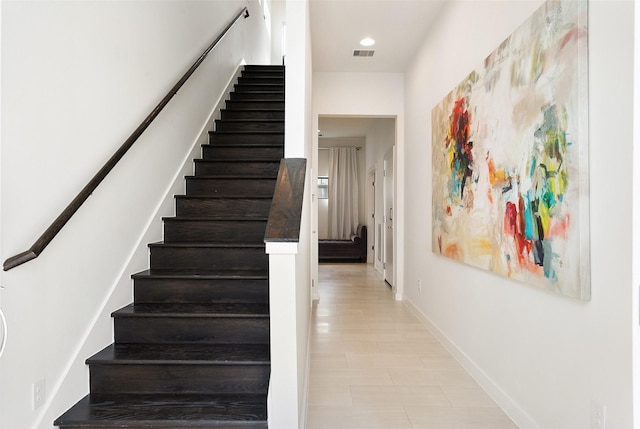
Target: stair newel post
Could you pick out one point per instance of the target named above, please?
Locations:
(282, 402)
(282, 239)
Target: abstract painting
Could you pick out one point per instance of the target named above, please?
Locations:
(510, 157)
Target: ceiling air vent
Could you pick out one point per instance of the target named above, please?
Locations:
(363, 52)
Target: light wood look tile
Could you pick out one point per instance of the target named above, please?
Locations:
(375, 365)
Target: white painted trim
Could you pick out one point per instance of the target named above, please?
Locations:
(635, 275)
(305, 392)
(281, 248)
(504, 401)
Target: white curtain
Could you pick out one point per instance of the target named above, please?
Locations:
(343, 192)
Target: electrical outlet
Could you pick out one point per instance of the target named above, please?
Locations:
(39, 393)
(598, 415)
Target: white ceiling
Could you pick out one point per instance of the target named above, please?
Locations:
(398, 27)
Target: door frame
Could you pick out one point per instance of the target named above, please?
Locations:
(389, 160)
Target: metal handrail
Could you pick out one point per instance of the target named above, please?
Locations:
(43, 241)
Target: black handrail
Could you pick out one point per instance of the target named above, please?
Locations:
(286, 208)
(46, 237)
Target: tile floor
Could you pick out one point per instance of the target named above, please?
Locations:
(375, 365)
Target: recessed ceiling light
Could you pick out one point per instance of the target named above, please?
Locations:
(367, 41)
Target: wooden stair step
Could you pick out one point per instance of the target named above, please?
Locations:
(264, 79)
(192, 354)
(248, 75)
(236, 166)
(229, 185)
(250, 125)
(177, 229)
(252, 113)
(189, 205)
(234, 152)
(258, 95)
(167, 411)
(255, 139)
(218, 323)
(180, 368)
(277, 105)
(251, 87)
(204, 274)
(170, 287)
(208, 256)
(194, 310)
(267, 67)
(263, 71)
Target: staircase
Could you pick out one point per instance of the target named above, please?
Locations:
(192, 351)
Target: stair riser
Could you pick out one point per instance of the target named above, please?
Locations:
(246, 87)
(219, 138)
(200, 291)
(246, 207)
(264, 67)
(209, 167)
(262, 73)
(266, 95)
(252, 114)
(198, 186)
(179, 379)
(183, 230)
(260, 80)
(250, 126)
(254, 104)
(208, 258)
(231, 153)
(172, 425)
(192, 330)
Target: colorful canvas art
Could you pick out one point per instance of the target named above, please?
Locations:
(510, 149)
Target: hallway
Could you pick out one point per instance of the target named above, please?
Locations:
(375, 365)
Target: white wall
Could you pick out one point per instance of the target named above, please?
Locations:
(77, 78)
(366, 94)
(278, 20)
(542, 356)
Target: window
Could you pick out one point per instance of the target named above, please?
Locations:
(323, 187)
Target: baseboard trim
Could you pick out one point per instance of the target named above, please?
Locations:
(515, 412)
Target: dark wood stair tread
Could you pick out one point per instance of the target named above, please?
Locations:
(232, 176)
(237, 161)
(267, 120)
(218, 274)
(241, 132)
(194, 310)
(208, 244)
(168, 411)
(214, 218)
(181, 354)
(238, 108)
(242, 144)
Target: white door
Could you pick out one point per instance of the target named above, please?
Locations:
(388, 218)
(371, 217)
